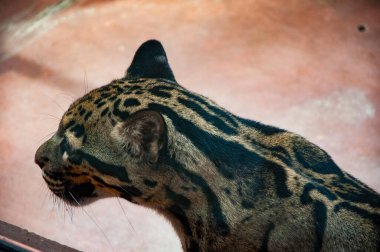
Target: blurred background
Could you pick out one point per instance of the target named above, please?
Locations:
(308, 66)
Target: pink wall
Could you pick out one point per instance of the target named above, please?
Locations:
(302, 66)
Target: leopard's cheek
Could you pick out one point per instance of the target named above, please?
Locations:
(84, 181)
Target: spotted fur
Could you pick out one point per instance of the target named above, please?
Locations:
(224, 182)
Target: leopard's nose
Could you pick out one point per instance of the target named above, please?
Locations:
(40, 159)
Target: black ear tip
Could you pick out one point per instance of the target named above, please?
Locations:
(152, 43)
(150, 61)
(150, 49)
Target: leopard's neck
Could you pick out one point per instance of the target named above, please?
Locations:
(195, 210)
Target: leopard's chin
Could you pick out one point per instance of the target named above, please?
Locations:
(80, 194)
(77, 195)
(74, 194)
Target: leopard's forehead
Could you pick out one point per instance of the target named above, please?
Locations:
(114, 102)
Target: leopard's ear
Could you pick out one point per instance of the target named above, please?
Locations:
(142, 135)
(150, 61)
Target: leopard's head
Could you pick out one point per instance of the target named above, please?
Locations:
(109, 142)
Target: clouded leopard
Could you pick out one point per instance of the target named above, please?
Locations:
(225, 183)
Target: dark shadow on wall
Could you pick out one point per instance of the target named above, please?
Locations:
(16, 17)
(35, 70)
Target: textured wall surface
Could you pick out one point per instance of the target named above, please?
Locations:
(312, 67)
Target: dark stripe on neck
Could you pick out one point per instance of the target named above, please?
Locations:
(319, 212)
(325, 165)
(160, 91)
(374, 217)
(177, 198)
(202, 140)
(180, 215)
(321, 165)
(198, 181)
(126, 192)
(276, 151)
(264, 243)
(360, 195)
(320, 220)
(306, 198)
(231, 159)
(219, 112)
(265, 129)
(214, 120)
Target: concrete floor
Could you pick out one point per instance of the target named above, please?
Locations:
(312, 67)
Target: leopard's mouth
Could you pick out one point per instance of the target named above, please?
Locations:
(74, 194)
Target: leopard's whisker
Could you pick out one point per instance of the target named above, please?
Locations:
(91, 218)
(69, 97)
(124, 190)
(47, 136)
(56, 103)
(69, 209)
(85, 81)
(50, 116)
(122, 208)
(43, 192)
